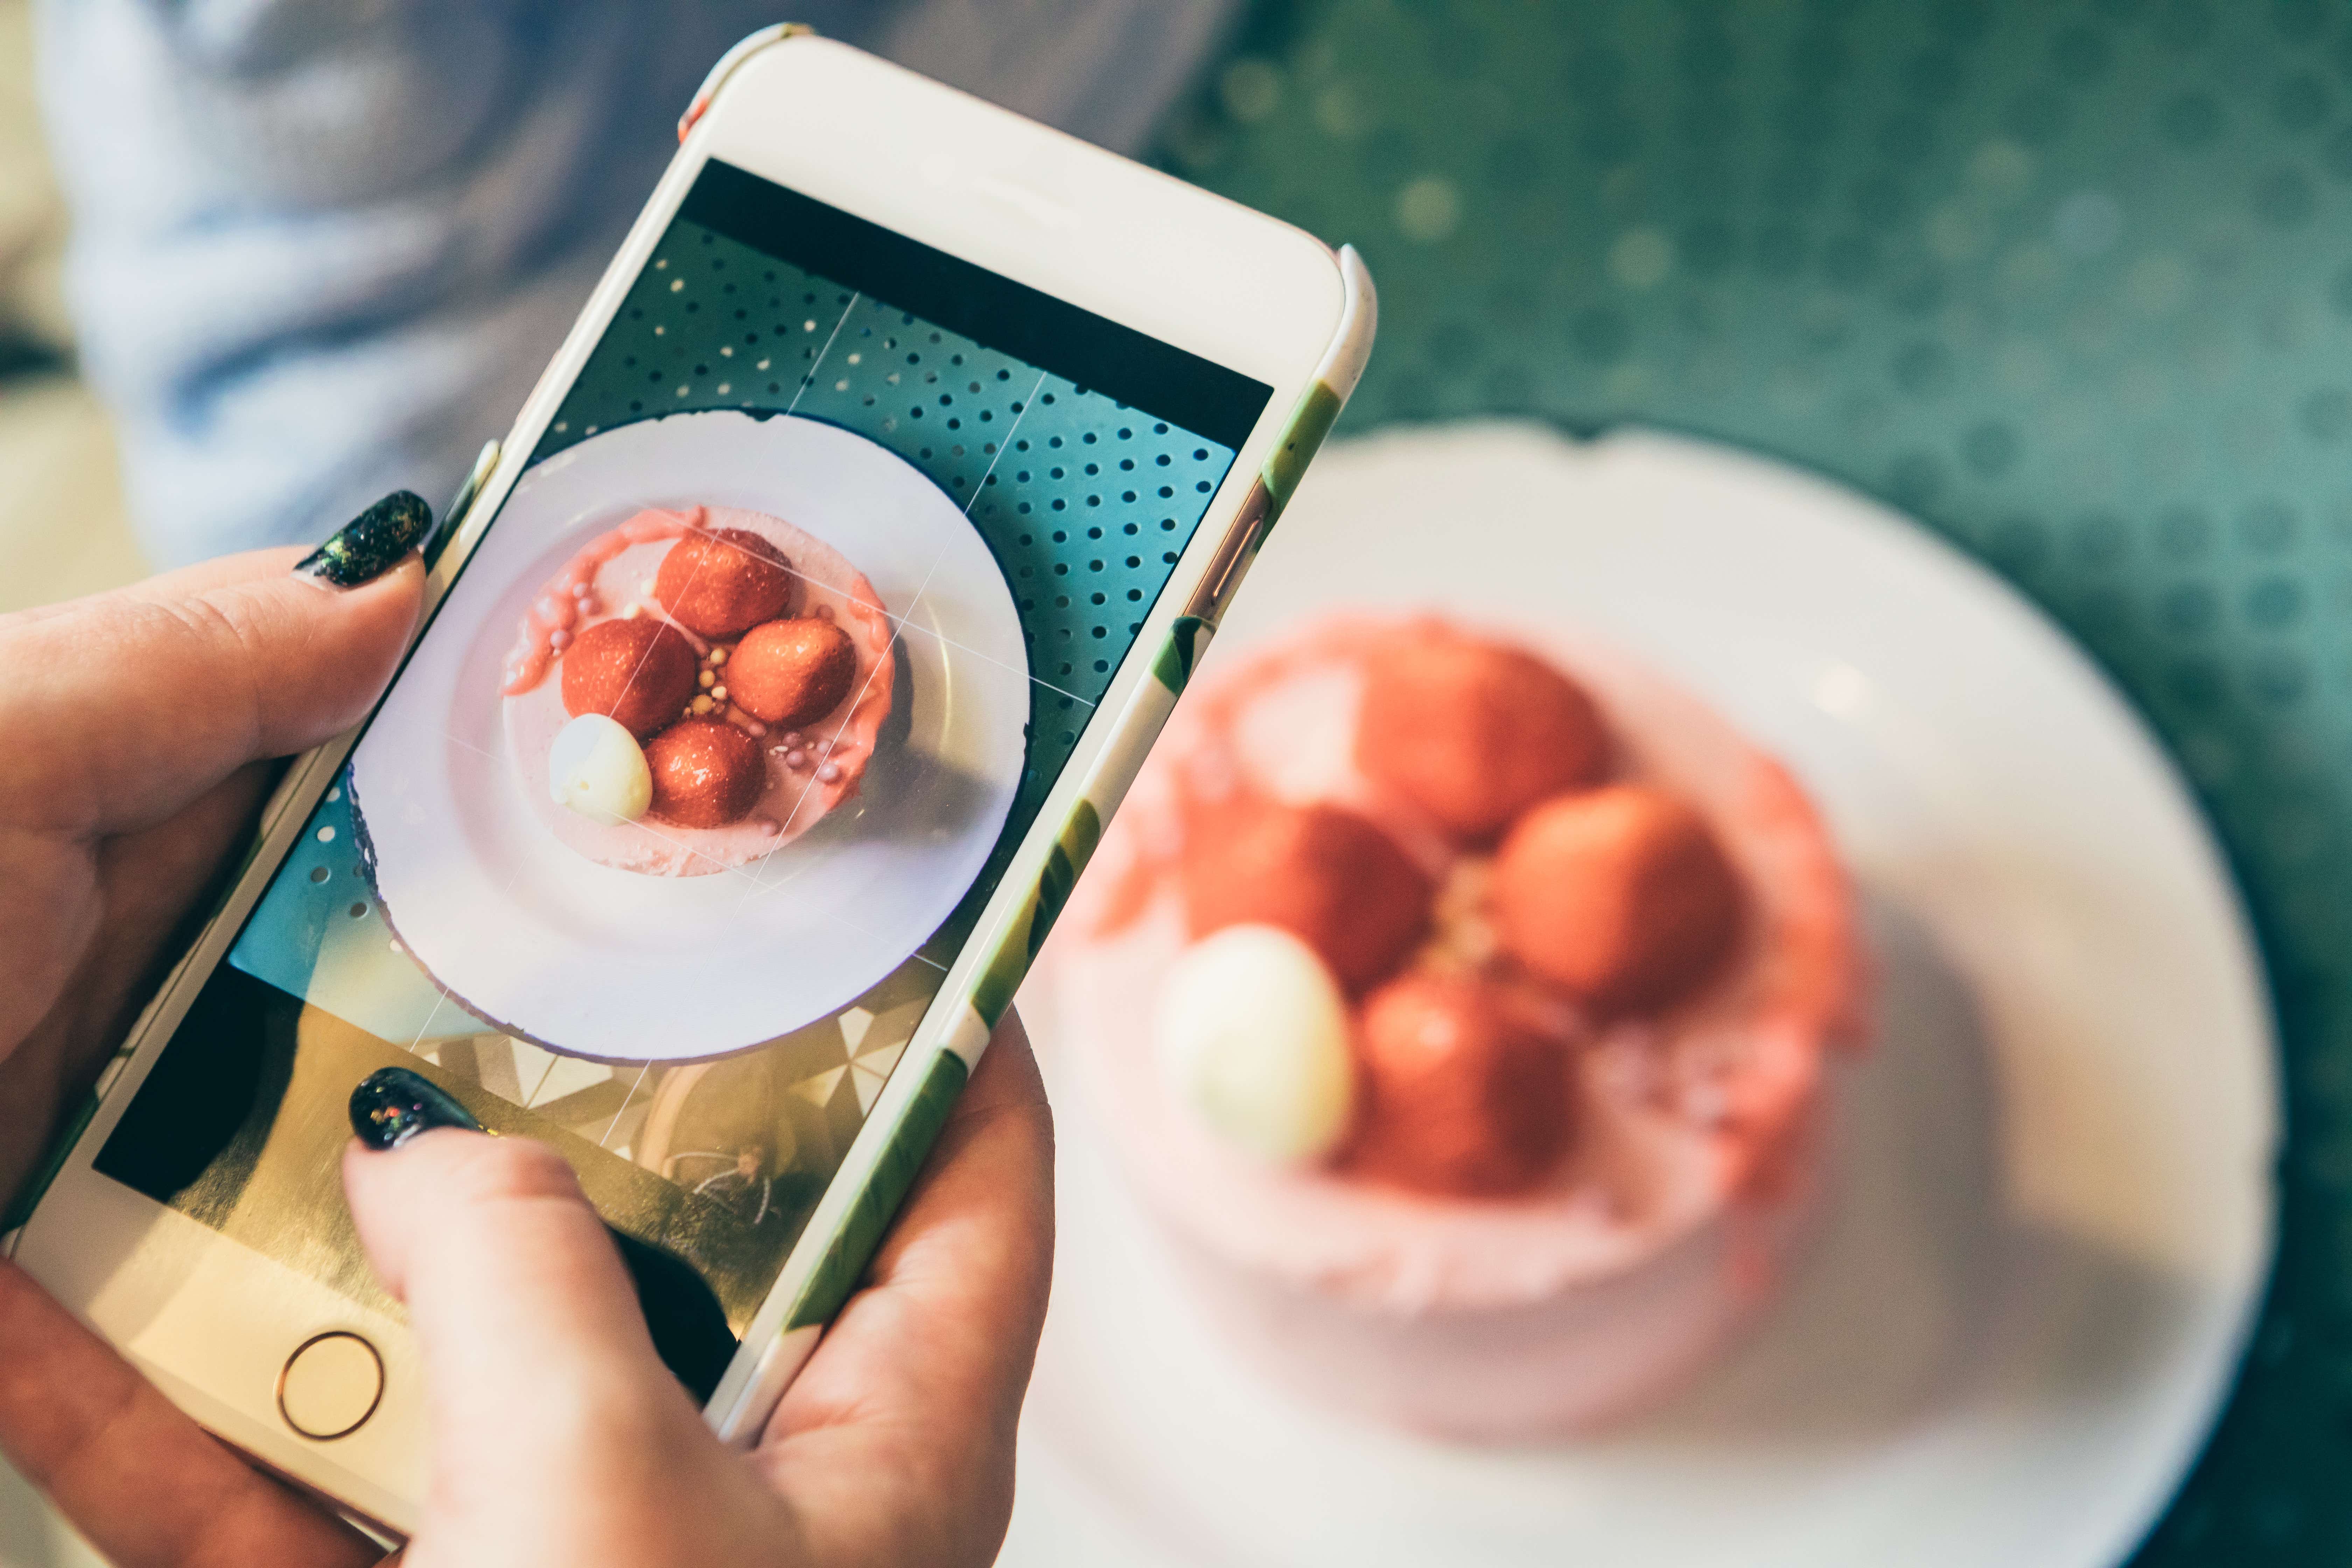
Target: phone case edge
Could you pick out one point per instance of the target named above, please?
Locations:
(860, 1231)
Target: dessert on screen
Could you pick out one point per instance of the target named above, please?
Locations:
(720, 681)
(1493, 984)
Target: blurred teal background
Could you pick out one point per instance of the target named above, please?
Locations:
(2070, 282)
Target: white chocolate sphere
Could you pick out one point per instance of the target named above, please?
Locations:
(597, 768)
(1253, 1034)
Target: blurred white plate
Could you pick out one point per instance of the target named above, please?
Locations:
(2052, 1214)
(608, 963)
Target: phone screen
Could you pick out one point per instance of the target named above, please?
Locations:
(662, 842)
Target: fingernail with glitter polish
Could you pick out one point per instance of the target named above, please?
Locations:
(393, 1105)
(371, 544)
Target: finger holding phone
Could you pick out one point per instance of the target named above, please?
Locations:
(894, 1447)
(775, 687)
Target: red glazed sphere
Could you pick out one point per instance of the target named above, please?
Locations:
(792, 672)
(723, 583)
(707, 773)
(1622, 895)
(1459, 1098)
(640, 673)
(1329, 875)
(1474, 731)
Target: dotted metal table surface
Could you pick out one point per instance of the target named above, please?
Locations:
(2068, 281)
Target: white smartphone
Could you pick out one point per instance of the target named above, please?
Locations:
(779, 676)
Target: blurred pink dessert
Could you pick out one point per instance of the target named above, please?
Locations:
(1489, 1108)
(640, 755)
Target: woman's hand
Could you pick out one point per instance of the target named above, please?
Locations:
(133, 732)
(560, 1438)
(132, 727)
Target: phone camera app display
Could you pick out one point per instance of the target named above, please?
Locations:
(663, 843)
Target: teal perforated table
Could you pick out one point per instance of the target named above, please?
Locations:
(2070, 282)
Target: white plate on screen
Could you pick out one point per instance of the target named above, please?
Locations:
(608, 963)
(2051, 1212)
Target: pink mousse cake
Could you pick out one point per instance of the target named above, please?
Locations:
(1587, 948)
(728, 785)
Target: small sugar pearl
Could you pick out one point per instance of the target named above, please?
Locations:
(705, 679)
(718, 656)
(796, 760)
(829, 774)
(702, 705)
(559, 639)
(581, 590)
(589, 604)
(791, 737)
(768, 828)
(629, 613)
(719, 694)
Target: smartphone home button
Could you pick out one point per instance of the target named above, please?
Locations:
(331, 1384)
